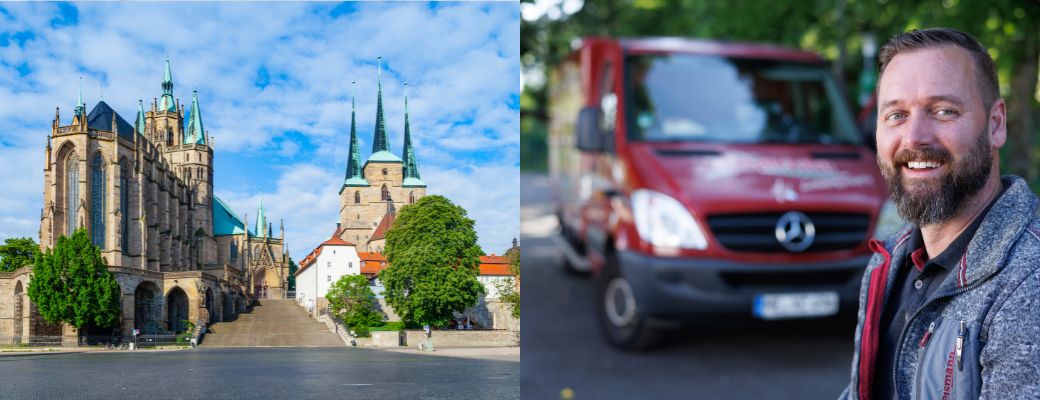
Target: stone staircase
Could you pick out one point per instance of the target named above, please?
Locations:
(272, 323)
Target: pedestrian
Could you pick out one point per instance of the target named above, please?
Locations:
(948, 305)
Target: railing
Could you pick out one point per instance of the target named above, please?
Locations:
(12, 343)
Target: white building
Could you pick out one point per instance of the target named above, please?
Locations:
(323, 267)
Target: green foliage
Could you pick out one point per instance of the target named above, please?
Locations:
(71, 284)
(389, 326)
(17, 252)
(352, 301)
(507, 288)
(292, 274)
(432, 262)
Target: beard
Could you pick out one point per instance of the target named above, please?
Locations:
(923, 202)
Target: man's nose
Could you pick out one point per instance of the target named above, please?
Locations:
(919, 131)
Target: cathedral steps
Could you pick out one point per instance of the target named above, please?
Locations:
(272, 323)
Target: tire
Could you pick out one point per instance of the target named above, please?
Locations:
(621, 322)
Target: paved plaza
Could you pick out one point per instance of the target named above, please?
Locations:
(258, 373)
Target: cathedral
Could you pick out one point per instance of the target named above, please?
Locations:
(371, 192)
(144, 193)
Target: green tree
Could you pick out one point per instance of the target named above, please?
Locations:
(292, 274)
(17, 252)
(507, 288)
(352, 301)
(71, 284)
(432, 262)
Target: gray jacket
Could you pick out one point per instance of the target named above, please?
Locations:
(978, 336)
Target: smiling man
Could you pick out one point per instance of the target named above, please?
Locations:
(948, 306)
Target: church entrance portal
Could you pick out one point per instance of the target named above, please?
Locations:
(176, 310)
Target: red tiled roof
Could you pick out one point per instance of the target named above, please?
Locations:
(384, 225)
(494, 265)
(313, 256)
(372, 263)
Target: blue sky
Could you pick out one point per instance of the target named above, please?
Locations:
(274, 83)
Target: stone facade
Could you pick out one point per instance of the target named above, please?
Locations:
(144, 193)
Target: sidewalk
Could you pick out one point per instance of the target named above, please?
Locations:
(486, 353)
(30, 351)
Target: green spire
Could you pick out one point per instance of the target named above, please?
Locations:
(354, 176)
(80, 107)
(167, 103)
(194, 134)
(140, 117)
(261, 220)
(380, 143)
(411, 167)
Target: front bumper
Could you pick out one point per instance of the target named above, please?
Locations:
(684, 287)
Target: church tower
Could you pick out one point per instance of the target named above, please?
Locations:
(184, 144)
(165, 122)
(385, 182)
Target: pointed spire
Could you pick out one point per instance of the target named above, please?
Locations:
(354, 175)
(140, 117)
(261, 220)
(380, 141)
(411, 166)
(167, 103)
(80, 107)
(194, 134)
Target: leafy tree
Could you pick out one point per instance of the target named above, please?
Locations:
(507, 288)
(71, 284)
(432, 262)
(17, 252)
(292, 274)
(352, 301)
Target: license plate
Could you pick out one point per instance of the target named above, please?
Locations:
(795, 305)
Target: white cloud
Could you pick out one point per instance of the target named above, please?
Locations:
(461, 62)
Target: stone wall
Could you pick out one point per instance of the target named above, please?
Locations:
(447, 339)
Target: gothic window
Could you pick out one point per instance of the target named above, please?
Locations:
(357, 197)
(386, 193)
(71, 192)
(234, 251)
(411, 197)
(124, 205)
(97, 200)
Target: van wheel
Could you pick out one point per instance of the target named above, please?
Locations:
(621, 322)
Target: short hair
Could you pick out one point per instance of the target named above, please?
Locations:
(937, 37)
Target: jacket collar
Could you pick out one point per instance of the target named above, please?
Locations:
(1008, 219)
(1005, 221)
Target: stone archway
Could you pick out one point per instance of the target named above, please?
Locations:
(19, 313)
(229, 307)
(209, 306)
(176, 310)
(147, 308)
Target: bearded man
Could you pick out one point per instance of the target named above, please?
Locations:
(950, 305)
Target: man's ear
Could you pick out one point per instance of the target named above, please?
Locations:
(997, 123)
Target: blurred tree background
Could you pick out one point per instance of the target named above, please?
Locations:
(836, 29)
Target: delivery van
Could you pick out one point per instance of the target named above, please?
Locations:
(702, 179)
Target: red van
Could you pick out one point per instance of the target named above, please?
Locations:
(698, 179)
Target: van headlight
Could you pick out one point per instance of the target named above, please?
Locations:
(664, 222)
(889, 221)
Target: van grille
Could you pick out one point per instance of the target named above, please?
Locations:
(757, 232)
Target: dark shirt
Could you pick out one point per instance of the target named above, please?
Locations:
(915, 283)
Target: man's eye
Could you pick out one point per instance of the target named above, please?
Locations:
(946, 112)
(896, 116)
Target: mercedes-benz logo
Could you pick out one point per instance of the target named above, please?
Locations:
(795, 231)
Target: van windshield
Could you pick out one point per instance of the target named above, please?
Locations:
(704, 98)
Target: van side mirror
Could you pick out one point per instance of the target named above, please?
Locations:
(589, 135)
